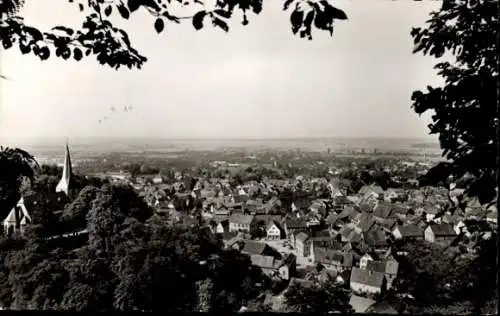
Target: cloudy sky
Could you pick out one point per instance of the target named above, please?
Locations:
(257, 81)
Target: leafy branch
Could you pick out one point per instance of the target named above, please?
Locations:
(112, 46)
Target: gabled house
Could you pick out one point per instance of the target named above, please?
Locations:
(276, 268)
(367, 281)
(240, 222)
(332, 260)
(252, 247)
(389, 267)
(221, 226)
(274, 231)
(17, 219)
(440, 233)
(407, 232)
(363, 261)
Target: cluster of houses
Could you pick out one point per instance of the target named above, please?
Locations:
(346, 237)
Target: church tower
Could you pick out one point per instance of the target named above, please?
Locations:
(63, 184)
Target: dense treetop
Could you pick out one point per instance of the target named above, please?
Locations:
(112, 46)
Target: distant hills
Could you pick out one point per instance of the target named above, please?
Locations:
(97, 145)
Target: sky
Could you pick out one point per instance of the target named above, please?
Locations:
(257, 81)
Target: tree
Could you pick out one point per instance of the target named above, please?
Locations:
(316, 299)
(16, 165)
(112, 46)
(74, 215)
(465, 116)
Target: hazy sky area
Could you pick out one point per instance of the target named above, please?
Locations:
(258, 81)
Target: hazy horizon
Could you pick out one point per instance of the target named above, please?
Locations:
(255, 82)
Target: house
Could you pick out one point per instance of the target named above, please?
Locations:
(221, 211)
(18, 219)
(360, 304)
(389, 267)
(407, 232)
(294, 225)
(276, 268)
(222, 226)
(371, 190)
(272, 205)
(382, 211)
(312, 221)
(431, 211)
(157, 180)
(329, 258)
(363, 262)
(347, 214)
(366, 207)
(252, 247)
(240, 222)
(339, 202)
(393, 194)
(274, 231)
(440, 233)
(367, 281)
(318, 207)
(303, 244)
(375, 238)
(364, 222)
(262, 220)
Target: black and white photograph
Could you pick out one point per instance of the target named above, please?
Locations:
(235, 156)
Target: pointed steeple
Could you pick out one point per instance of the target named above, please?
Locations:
(63, 184)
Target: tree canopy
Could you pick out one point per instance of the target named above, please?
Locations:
(464, 109)
(131, 260)
(112, 46)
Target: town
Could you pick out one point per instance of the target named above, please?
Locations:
(305, 219)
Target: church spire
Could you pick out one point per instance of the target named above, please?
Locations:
(63, 184)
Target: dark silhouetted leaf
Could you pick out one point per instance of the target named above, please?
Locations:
(287, 4)
(338, 14)
(159, 25)
(296, 18)
(108, 10)
(133, 5)
(44, 53)
(77, 54)
(220, 23)
(198, 19)
(123, 11)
